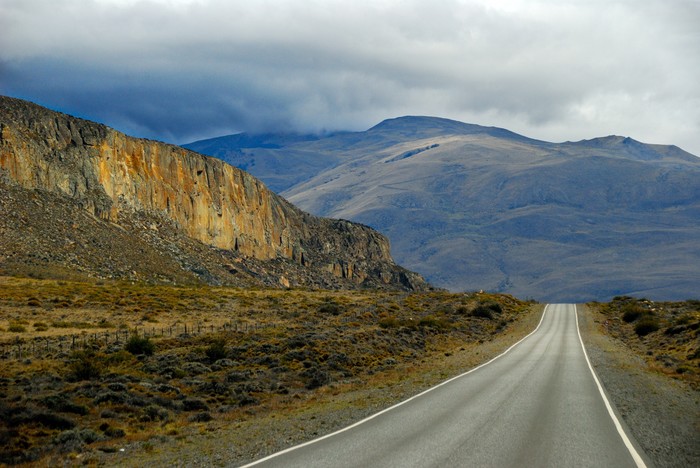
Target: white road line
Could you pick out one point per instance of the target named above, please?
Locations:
(628, 443)
(369, 418)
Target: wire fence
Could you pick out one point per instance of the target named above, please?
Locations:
(50, 346)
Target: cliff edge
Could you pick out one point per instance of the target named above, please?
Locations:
(135, 185)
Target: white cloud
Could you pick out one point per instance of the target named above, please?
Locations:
(184, 69)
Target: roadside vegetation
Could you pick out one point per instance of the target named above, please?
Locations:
(665, 334)
(235, 355)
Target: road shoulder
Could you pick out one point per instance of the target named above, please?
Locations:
(663, 414)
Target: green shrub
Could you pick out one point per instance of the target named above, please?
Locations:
(330, 308)
(140, 345)
(433, 322)
(389, 322)
(645, 325)
(486, 310)
(216, 350)
(86, 365)
(16, 328)
(631, 312)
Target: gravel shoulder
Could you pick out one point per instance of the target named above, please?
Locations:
(662, 413)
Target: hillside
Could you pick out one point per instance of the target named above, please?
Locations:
(473, 207)
(80, 199)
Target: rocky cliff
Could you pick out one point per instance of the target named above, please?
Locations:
(116, 178)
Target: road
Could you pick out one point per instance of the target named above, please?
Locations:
(537, 405)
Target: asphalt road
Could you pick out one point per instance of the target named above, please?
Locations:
(537, 405)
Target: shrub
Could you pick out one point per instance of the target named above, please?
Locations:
(200, 417)
(645, 325)
(486, 310)
(631, 312)
(316, 378)
(684, 319)
(155, 413)
(432, 322)
(140, 345)
(194, 404)
(330, 308)
(16, 328)
(60, 402)
(389, 322)
(86, 365)
(216, 350)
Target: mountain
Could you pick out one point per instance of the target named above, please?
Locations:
(80, 199)
(474, 207)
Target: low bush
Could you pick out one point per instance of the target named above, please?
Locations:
(216, 350)
(329, 308)
(631, 312)
(433, 322)
(645, 325)
(486, 310)
(140, 345)
(86, 365)
(389, 322)
(60, 402)
(16, 328)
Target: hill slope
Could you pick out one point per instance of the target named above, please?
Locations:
(80, 197)
(475, 207)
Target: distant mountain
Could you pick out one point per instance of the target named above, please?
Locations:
(474, 207)
(80, 199)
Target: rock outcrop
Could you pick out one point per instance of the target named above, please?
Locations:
(113, 177)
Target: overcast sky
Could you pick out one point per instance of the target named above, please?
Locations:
(180, 70)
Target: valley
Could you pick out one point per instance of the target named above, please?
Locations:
(224, 375)
(158, 306)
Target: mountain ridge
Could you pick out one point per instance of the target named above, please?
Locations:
(472, 208)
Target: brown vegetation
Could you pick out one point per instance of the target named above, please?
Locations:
(97, 397)
(666, 334)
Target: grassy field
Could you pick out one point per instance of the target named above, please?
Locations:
(89, 368)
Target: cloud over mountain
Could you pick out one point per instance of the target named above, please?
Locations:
(181, 70)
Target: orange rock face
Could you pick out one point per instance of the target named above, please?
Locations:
(212, 202)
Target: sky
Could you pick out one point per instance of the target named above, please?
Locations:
(183, 70)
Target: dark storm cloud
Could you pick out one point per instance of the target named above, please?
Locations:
(181, 70)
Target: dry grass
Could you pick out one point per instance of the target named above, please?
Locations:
(665, 334)
(299, 348)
